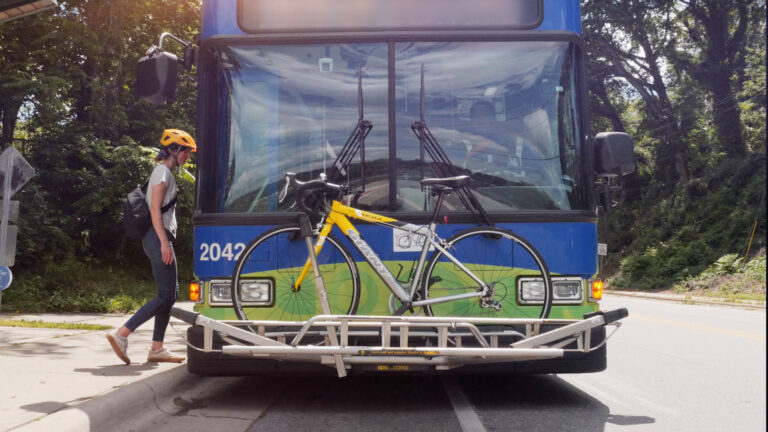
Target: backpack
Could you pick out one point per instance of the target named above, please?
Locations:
(136, 218)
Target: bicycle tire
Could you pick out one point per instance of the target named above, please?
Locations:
(483, 251)
(277, 257)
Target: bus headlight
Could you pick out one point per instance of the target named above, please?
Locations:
(253, 292)
(531, 291)
(256, 291)
(565, 290)
(221, 293)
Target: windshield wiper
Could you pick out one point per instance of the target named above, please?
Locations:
(443, 165)
(355, 142)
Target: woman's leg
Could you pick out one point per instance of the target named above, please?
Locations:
(167, 288)
(167, 277)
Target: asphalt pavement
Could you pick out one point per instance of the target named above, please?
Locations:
(52, 379)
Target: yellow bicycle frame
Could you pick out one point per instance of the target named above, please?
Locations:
(338, 216)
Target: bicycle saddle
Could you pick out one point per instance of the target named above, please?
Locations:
(447, 182)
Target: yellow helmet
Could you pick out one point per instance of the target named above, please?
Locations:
(177, 136)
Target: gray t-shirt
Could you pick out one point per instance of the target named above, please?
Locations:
(162, 174)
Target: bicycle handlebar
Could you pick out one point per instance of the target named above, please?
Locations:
(302, 188)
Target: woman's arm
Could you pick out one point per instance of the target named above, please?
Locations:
(155, 211)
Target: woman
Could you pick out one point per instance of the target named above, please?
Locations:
(176, 146)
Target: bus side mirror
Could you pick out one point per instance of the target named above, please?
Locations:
(614, 159)
(156, 76)
(614, 154)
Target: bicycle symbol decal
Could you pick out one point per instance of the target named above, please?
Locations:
(406, 241)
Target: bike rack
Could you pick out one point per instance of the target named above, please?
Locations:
(399, 340)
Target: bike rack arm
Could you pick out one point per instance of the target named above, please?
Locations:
(590, 321)
(195, 318)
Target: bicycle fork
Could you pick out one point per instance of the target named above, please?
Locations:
(322, 295)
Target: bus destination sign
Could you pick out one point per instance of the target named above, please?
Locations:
(267, 16)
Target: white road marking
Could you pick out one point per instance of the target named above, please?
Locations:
(468, 418)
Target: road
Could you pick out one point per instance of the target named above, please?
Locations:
(672, 367)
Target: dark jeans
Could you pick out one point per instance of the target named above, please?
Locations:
(167, 288)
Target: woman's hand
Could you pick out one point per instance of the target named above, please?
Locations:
(167, 252)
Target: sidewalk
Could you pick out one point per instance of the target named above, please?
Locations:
(46, 370)
(685, 298)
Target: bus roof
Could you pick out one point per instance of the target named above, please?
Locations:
(220, 17)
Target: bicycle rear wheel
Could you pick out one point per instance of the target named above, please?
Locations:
(263, 281)
(500, 259)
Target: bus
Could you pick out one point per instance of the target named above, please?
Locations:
(499, 85)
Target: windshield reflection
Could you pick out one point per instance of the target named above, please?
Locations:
(503, 112)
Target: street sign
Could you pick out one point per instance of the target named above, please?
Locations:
(21, 171)
(602, 249)
(6, 277)
(15, 172)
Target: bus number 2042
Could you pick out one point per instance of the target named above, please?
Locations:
(217, 252)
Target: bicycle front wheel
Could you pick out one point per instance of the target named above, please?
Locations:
(264, 279)
(500, 259)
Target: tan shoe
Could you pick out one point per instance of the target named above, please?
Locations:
(120, 345)
(164, 356)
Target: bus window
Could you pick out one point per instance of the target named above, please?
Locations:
(503, 112)
(292, 108)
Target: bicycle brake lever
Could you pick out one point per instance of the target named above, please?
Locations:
(284, 193)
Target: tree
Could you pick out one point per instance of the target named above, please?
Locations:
(28, 71)
(602, 85)
(630, 39)
(752, 94)
(73, 72)
(107, 39)
(718, 31)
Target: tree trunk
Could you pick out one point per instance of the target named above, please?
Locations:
(10, 113)
(606, 108)
(722, 60)
(727, 117)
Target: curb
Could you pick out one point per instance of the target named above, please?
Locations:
(687, 300)
(132, 406)
(110, 410)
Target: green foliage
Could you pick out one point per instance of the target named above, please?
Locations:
(725, 265)
(666, 238)
(80, 285)
(67, 88)
(729, 277)
(688, 82)
(54, 325)
(661, 266)
(753, 98)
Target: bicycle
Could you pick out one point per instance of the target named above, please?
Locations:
(465, 275)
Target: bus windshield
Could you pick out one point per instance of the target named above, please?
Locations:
(503, 112)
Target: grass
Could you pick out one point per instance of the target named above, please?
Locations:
(75, 285)
(52, 325)
(731, 296)
(730, 279)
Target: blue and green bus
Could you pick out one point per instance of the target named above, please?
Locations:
(500, 84)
